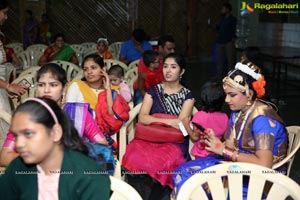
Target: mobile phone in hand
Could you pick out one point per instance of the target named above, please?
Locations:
(24, 83)
(199, 126)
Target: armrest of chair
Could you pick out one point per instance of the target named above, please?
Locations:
(294, 145)
(288, 158)
(127, 131)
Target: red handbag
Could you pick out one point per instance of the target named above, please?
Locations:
(158, 132)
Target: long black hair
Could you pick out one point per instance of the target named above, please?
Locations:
(41, 115)
(180, 60)
(212, 96)
(95, 57)
(58, 72)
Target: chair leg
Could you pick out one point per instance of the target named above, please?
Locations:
(117, 172)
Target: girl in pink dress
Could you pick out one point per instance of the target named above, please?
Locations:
(212, 100)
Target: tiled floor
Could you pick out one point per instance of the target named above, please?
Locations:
(198, 73)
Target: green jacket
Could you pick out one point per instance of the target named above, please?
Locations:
(80, 178)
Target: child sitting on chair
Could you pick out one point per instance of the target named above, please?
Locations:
(212, 99)
(149, 74)
(118, 84)
(102, 49)
(112, 108)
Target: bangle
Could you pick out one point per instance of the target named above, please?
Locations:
(228, 153)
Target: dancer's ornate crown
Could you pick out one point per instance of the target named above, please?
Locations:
(253, 71)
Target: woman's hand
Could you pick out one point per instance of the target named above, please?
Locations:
(186, 120)
(16, 89)
(106, 79)
(213, 143)
(174, 123)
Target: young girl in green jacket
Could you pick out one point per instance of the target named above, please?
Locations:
(52, 162)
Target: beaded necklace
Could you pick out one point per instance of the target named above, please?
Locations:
(237, 137)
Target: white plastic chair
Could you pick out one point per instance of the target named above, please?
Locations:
(29, 58)
(89, 51)
(294, 145)
(79, 49)
(130, 78)
(30, 70)
(131, 75)
(127, 130)
(18, 47)
(36, 51)
(115, 49)
(134, 64)
(122, 190)
(37, 47)
(110, 62)
(88, 46)
(79, 75)
(213, 177)
(70, 68)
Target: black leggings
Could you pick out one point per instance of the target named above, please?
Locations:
(147, 187)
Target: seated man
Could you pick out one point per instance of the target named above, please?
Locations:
(134, 48)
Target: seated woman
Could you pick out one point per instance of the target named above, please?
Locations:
(51, 81)
(88, 89)
(58, 51)
(169, 97)
(96, 86)
(256, 133)
(53, 162)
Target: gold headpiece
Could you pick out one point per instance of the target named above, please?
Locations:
(236, 82)
(253, 71)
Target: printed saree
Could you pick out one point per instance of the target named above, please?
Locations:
(62, 54)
